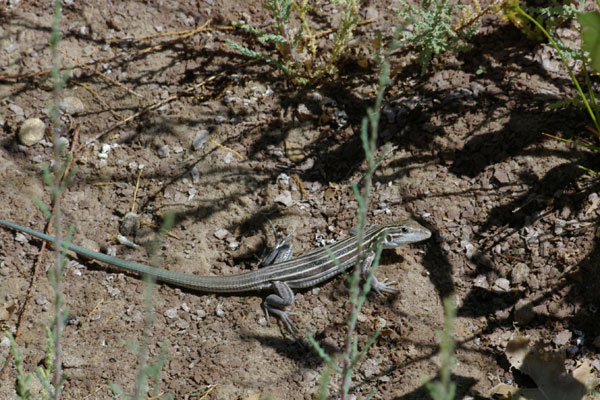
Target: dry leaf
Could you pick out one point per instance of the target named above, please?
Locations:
(547, 369)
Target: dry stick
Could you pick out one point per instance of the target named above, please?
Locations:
(97, 97)
(111, 80)
(38, 262)
(137, 186)
(328, 31)
(300, 186)
(165, 34)
(229, 149)
(111, 58)
(170, 42)
(153, 107)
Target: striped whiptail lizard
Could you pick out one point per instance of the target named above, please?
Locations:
(283, 274)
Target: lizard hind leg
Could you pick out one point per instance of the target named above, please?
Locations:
(274, 304)
(281, 252)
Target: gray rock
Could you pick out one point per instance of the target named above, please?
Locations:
(200, 139)
(72, 105)
(519, 273)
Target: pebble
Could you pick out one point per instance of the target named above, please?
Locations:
(104, 152)
(562, 338)
(163, 151)
(113, 291)
(200, 139)
(182, 324)
(285, 198)
(519, 273)
(130, 224)
(4, 314)
(501, 285)
(72, 105)
(19, 237)
(31, 131)
(201, 313)
(304, 112)
(219, 310)
(18, 111)
(195, 174)
(171, 313)
(523, 313)
(481, 282)
(221, 233)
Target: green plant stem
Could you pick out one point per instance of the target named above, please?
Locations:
(369, 130)
(56, 194)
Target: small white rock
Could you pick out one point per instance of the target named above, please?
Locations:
(219, 310)
(4, 342)
(221, 233)
(501, 285)
(72, 105)
(304, 112)
(195, 175)
(481, 282)
(163, 151)
(200, 139)
(18, 111)
(171, 313)
(285, 198)
(31, 131)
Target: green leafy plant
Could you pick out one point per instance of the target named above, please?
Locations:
(433, 31)
(44, 373)
(590, 23)
(297, 55)
(549, 17)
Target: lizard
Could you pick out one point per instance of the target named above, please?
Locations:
(283, 272)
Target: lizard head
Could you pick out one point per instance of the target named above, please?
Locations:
(402, 232)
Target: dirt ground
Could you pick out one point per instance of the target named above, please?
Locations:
(513, 217)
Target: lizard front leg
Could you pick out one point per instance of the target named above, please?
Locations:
(379, 287)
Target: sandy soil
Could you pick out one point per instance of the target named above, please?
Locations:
(513, 216)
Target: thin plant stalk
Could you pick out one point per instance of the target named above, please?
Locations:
(369, 131)
(55, 185)
(518, 9)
